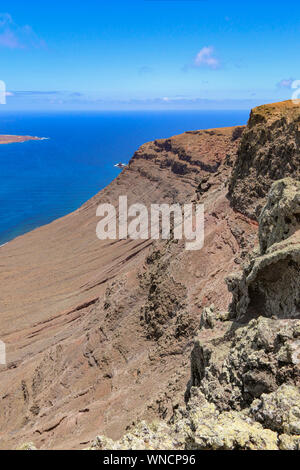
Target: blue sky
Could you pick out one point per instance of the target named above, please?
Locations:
(152, 54)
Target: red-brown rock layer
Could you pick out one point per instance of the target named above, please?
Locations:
(90, 348)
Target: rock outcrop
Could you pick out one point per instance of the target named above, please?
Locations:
(201, 426)
(105, 330)
(99, 333)
(280, 218)
(269, 151)
(244, 390)
(269, 284)
(240, 363)
(279, 410)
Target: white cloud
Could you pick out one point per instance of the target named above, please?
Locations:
(205, 57)
(13, 36)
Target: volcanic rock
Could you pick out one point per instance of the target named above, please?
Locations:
(99, 333)
(269, 151)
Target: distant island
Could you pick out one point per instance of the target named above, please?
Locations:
(12, 139)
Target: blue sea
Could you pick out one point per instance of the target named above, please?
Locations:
(43, 180)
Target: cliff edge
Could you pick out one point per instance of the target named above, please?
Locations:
(269, 151)
(244, 390)
(99, 333)
(102, 335)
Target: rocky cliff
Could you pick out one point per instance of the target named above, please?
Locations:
(102, 335)
(269, 151)
(244, 390)
(99, 333)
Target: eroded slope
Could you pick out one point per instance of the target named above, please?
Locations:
(90, 349)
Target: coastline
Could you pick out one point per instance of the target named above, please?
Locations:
(89, 324)
(13, 139)
(82, 143)
(60, 280)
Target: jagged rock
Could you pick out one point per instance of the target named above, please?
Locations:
(270, 284)
(207, 360)
(269, 151)
(280, 217)
(289, 442)
(280, 410)
(104, 349)
(166, 298)
(230, 431)
(234, 369)
(248, 362)
(245, 374)
(151, 437)
(198, 427)
(272, 423)
(237, 133)
(211, 430)
(132, 337)
(210, 316)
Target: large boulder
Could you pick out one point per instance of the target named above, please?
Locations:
(280, 218)
(269, 284)
(209, 429)
(279, 410)
(235, 368)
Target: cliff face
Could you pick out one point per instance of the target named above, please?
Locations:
(100, 334)
(269, 283)
(244, 390)
(269, 151)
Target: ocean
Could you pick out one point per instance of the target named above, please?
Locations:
(43, 180)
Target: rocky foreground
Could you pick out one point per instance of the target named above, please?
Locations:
(244, 391)
(205, 345)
